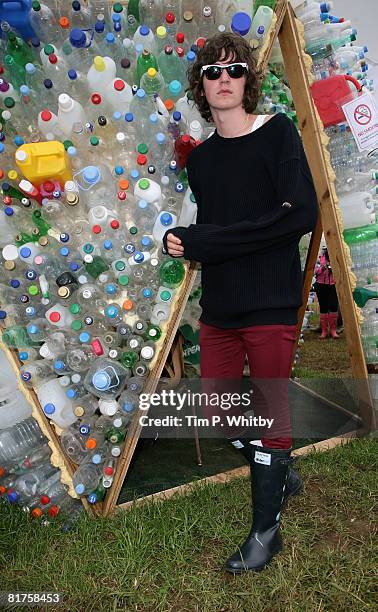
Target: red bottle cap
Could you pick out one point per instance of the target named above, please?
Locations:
(7, 200)
(121, 195)
(54, 317)
(141, 160)
(48, 186)
(53, 58)
(96, 229)
(180, 51)
(2, 472)
(180, 37)
(119, 85)
(46, 115)
(170, 18)
(53, 511)
(108, 471)
(96, 98)
(200, 42)
(45, 499)
(185, 139)
(114, 224)
(97, 347)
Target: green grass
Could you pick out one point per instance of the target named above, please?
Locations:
(168, 556)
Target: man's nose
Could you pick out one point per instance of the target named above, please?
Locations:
(225, 77)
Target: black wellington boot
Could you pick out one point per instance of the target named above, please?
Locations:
(294, 483)
(268, 476)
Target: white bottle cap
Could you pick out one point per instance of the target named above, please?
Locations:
(21, 155)
(108, 407)
(147, 352)
(70, 186)
(65, 102)
(75, 378)
(64, 381)
(120, 137)
(82, 279)
(45, 352)
(10, 252)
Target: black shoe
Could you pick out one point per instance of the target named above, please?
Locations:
(268, 477)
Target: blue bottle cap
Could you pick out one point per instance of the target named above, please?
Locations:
(92, 498)
(101, 380)
(160, 138)
(84, 429)
(118, 170)
(147, 293)
(179, 187)
(64, 251)
(140, 93)
(177, 115)
(64, 237)
(3, 315)
(2, 137)
(129, 117)
(15, 283)
(129, 248)
(110, 38)
(2, 147)
(111, 311)
(23, 355)
(96, 458)
(166, 219)
(71, 393)
(25, 252)
(84, 337)
(175, 87)
(13, 497)
(241, 23)
(18, 141)
(107, 244)
(32, 328)
(194, 48)
(49, 409)
(30, 68)
(116, 17)
(138, 257)
(59, 364)
(127, 407)
(144, 30)
(72, 74)
(26, 376)
(77, 38)
(91, 174)
(134, 174)
(117, 116)
(153, 117)
(73, 266)
(9, 211)
(99, 27)
(110, 290)
(30, 311)
(31, 275)
(143, 204)
(190, 56)
(24, 90)
(145, 241)
(80, 488)
(48, 83)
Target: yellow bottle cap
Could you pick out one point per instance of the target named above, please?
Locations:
(12, 175)
(151, 72)
(99, 63)
(161, 32)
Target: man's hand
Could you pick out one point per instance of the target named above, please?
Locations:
(175, 249)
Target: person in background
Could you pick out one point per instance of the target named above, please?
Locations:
(256, 199)
(327, 297)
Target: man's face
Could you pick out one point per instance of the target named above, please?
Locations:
(224, 93)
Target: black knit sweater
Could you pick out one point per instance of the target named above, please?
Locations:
(255, 198)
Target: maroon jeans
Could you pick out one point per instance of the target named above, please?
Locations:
(269, 349)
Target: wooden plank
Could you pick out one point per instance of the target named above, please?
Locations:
(152, 382)
(320, 447)
(311, 130)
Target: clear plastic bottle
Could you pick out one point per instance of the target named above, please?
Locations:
(16, 442)
(106, 378)
(86, 478)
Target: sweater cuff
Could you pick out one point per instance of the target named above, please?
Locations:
(179, 232)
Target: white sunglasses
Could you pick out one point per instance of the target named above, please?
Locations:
(213, 71)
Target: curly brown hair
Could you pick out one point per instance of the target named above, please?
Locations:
(226, 44)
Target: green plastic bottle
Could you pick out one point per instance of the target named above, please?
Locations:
(362, 295)
(258, 3)
(145, 61)
(129, 359)
(361, 234)
(172, 273)
(42, 225)
(133, 9)
(97, 266)
(19, 50)
(17, 337)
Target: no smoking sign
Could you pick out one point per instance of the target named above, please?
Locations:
(362, 114)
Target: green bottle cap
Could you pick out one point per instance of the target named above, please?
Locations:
(94, 141)
(48, 49)
(144, 183)
(36, 6)
(123, 280)
(33, 290)
(9, 102)
(143, 149)
(117, 7)
(67, 143)
(133, 230)
(11, 36)
(165, 296)
(76, 325)
(88, 248)
(119, 266)
(74, 308)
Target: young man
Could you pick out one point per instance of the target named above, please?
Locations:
(255, 198)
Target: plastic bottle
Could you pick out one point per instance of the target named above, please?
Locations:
(164, 222)
(152, 82)
(70, 112)
(358, 209)
(148, 190)
(18, 440)
(145, 61)
(73, 444)
(95, 184)
(118, 95)
(55, 403)
(106, 379)
(101, 73)
(260, 26)
(183, 147)
(145, 37)
(86, 478)
(151, 13)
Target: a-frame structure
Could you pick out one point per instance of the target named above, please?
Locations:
(297, 67)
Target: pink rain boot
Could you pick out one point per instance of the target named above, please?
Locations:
(332, 317)
(324, 326)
